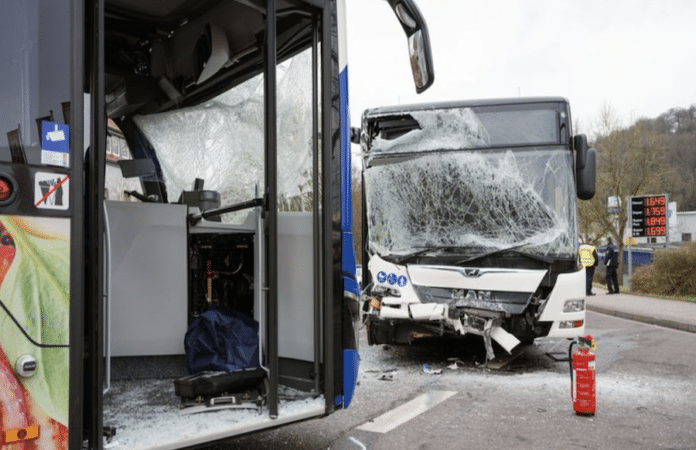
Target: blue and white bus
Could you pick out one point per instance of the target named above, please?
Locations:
(176, 261)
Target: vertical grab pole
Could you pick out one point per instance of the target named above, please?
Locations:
(94, 257)
(271, 204)
(81, 13)
(315, 204)
(330, 205)
(107, 302)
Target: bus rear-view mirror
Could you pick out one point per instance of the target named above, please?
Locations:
(585, 177)
(420, 54)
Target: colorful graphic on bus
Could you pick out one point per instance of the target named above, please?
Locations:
(34, 330)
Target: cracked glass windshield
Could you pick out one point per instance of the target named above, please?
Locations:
(463, 181)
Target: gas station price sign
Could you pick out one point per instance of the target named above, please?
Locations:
(649, 216)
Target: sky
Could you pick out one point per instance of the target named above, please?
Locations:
(636, 56)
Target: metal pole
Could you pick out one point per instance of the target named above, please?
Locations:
(78, 256)
(315, 204)
(630, 237)
(667, 220)
(329, 129)
(271, 204)
(94, 277)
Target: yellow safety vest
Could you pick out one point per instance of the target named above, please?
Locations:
(586, 258)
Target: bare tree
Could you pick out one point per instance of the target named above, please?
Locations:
(630, 161)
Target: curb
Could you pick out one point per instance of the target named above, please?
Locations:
(691, 328)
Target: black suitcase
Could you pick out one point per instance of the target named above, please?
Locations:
(216, 384)
(209, 391)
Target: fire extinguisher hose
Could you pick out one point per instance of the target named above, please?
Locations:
(570, 365)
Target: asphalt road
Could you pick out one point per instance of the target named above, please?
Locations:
(646, 393)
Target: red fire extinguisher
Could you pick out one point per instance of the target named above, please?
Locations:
(582, 375)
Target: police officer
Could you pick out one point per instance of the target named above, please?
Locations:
(589, 259)
(611, 260)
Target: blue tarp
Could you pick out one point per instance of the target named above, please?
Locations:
(222, 340)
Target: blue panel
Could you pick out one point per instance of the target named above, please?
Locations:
(640, 258)
(348, 251)
(351, 363)
(344, 120)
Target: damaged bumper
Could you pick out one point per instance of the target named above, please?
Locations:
(502, 305)
(430, 320)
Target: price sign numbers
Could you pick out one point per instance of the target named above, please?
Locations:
(649, 216)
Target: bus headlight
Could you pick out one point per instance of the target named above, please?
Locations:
(573, 306)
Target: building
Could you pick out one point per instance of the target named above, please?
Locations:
(686, 227)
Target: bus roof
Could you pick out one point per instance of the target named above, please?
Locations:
(389, 110)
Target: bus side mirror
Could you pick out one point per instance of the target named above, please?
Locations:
(419, 50)
(580, 146)
(585, 177)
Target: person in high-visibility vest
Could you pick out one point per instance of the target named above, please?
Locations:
(589, 259)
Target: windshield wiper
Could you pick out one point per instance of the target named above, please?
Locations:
(503, 250)
(400, 259)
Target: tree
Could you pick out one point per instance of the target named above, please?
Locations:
(630, 162)
(677, 128)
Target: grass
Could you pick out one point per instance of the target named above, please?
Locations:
(671, 275)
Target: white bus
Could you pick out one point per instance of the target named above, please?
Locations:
(470, 221)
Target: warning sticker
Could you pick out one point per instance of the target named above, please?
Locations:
(51, 190)
(55, 144)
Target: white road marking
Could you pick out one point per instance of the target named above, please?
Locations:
(402, 414)
(357, 442)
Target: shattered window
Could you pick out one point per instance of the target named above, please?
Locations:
(465, 128)
(482, 200)
(448, 129)
(222, 140)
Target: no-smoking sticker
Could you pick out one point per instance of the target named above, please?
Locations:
(51, 190)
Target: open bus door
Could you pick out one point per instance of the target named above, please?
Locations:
(98, 295)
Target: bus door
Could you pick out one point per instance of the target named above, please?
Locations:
(228, 99)
(40, 243)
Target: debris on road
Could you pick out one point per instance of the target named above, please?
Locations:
(427, 369)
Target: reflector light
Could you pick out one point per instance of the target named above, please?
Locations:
(21, 434)
(571, 323)
(5, 190)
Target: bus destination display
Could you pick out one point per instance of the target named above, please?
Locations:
(649, 216)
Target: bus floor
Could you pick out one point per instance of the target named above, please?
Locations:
(145, 412)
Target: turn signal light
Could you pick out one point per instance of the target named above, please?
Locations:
(571, 324)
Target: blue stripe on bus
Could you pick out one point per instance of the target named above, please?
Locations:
(344, 120)
(351, 363)
(351, 285)
(348, 254)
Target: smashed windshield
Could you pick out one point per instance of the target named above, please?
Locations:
(474, 201)
(420, 131)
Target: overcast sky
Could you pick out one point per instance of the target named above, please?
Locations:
(638, 56)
